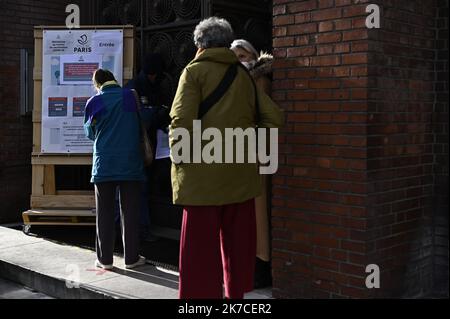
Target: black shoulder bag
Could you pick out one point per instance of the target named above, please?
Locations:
(223, 87)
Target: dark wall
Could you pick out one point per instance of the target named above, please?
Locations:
(440, 151)
(409, 145)
(401, 146)
(320, 192)
(363, 172)
(17, 20)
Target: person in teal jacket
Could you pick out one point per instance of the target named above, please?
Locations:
(112, 122)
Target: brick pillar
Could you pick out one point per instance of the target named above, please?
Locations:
(400, 147)
(355, 182)
(321, 190)
(440, 151)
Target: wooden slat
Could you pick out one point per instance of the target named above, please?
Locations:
(37, 137)
(25, 218)
(59, 224)
(62, 201)
(37, 73)
(60, 212)
(37, 100)
(61, 159)
(128, 54)
(37, 186)
(128, 32)
(37, 77)
(38, 32)
(75, 193)
(49, 180)
(37, 95)
(39, 29)
(59, 217)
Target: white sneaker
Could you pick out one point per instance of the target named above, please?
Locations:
(141, 261)
(98, 264)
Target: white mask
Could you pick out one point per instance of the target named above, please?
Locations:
(249, 65)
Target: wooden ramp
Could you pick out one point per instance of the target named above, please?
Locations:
(59, 217)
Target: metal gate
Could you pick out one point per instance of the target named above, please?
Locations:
(166, 27)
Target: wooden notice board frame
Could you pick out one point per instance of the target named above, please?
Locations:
(48, 205)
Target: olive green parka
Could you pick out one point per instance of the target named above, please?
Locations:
(202, 184)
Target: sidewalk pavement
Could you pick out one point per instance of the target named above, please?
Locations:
(63, 271)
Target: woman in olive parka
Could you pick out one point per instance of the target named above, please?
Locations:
(218, 236)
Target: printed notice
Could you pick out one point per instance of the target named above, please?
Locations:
(57, 106)
(69, 60)
(162, 145)
(79, 105)
(78, 69)
(74, 138)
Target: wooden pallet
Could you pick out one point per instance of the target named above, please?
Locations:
(59, 217)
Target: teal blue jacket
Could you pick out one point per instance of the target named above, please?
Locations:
(111, 121)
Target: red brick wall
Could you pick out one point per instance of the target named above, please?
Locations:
(400, 147)
(320, 192)
(17, 19)
(440, 151)
(355, 184)
(363, 172)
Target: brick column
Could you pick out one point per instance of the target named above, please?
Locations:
(440, 151)
(320, 193)
(355, 182)
(400, 148)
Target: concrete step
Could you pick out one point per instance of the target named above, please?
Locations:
(67, 272)
(11, 290)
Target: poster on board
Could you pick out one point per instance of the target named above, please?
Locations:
(69, 59)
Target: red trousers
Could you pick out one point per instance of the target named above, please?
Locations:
(218, 247)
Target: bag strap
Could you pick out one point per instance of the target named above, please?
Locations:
(222, 88)
(138, 105)
(219, 92)
(144, 135)
(139, 116)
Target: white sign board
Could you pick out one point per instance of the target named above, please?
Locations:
(69, 60)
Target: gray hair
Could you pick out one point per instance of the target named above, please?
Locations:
(213, 32)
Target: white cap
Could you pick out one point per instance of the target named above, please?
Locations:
(247, 46)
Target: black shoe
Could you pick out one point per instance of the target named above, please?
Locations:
(263, 276)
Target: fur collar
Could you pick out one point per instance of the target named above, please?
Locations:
(263, 66)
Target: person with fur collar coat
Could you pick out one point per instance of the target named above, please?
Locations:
(262, 72)
(259, 64)
(260, 68)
